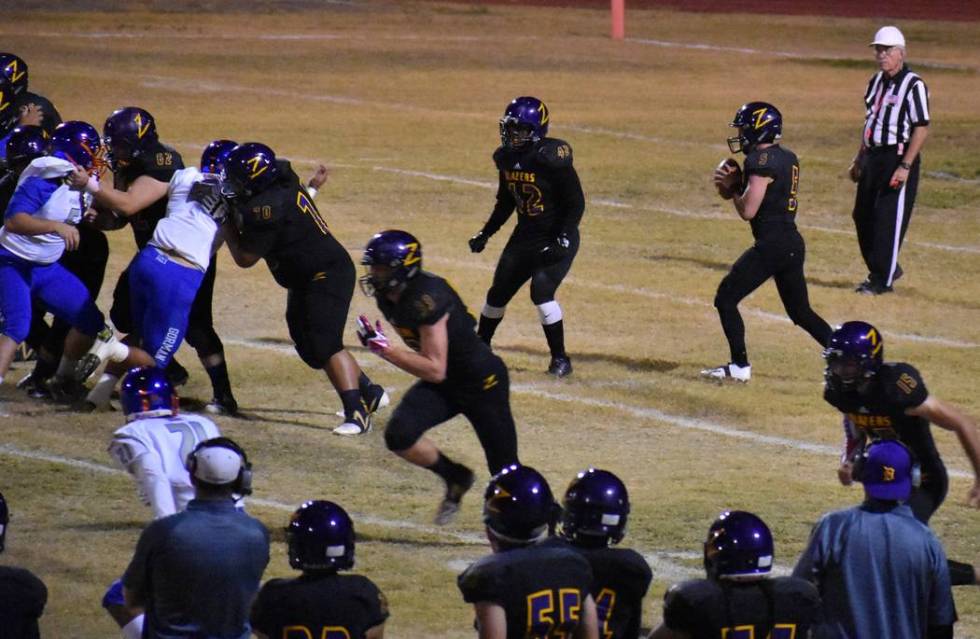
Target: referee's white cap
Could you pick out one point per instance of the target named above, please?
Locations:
(888, 37)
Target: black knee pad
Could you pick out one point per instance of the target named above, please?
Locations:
(399, 435)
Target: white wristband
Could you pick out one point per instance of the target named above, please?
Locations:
(93, 185)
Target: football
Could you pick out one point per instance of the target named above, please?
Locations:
(728, 177)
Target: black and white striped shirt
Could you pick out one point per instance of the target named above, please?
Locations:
(894, 106)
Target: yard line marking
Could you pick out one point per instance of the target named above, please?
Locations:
(640, 412)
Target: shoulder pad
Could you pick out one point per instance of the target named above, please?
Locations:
(261, 210)
(429, 299)
(555, 153)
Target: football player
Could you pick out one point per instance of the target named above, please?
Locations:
(457, 372)
(321, 602)
(22, 595)
(39, 226)
(275, 218)
(889, 400)
(166, 274)
(526, 589)
(765, 195)
(18, 106)
(537, 180)
(594, 514)
(738, 598)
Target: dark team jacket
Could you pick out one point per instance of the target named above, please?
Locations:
(620, 579)
(541, 588)
(779, 608)
(542, 185)
(159, 162)
(283, 225)
(879, 412)
(777, 213)
(22, 600)
(426, 298)
(319, 605)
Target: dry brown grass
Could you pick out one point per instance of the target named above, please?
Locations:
(405, 87)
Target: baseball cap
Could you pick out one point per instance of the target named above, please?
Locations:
(888, 37)
(217, 465)
(887, 471)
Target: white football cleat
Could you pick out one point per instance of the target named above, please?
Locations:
(106, 346)
(730, 372)
(358, 424)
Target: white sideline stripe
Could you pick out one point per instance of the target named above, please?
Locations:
(382, 522)
(273, 37)
(794, 55)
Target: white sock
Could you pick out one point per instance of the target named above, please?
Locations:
(66, 367)
(102, 391)
(134, 629)
(119, 352)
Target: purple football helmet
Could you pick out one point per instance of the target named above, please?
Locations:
(757, 123)
(78, 142)
(518, 506)
(215, 155)
(25, 144)
(854, 353)
(739, 544)
(14, 69)
(128, 132)
(147, 392)
(250, 168)
(525, 120)
(595, 509)
(321, 537)
(396, 257)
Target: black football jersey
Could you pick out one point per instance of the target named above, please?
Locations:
(879, 411)
(779, 608)
(541, 184)
(541, 589)
(22, 600)
(426, 298)
(778, 209)
(329, 605)
(159, 162)
(283, 225)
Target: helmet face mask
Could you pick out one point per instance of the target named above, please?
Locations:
(515, 134)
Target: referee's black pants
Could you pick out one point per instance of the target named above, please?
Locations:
(882, 213)
(779, 256)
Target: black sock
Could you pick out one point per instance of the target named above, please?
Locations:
(219, 379)
(364, 384)
(555, 334)
(449, 470)
(488, 326)
(352, 403)
(44, 368)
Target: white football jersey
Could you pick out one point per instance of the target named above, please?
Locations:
(154, 450)
(188, 228)
(48, 201)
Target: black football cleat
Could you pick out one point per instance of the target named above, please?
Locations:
(449, 505)
(224, 405)
(177, 374)
(560, 367)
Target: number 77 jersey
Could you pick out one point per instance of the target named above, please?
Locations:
(153, 452)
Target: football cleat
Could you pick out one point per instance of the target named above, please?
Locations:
(449, 505)
(34, 387)
(177, 374)
(357, 424)
(224, 405)
(106, 346)
(728, 371)
(65, 390)
(871, 287)
(560, 367)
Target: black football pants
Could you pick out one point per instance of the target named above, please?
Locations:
(781, 258)
(882, 213)
(518, 264)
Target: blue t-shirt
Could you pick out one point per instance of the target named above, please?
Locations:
(880, 573)
(197, 571)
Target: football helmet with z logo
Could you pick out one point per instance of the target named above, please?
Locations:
(249, 169)
(518, 506)
(392, 258)
(854, 353)
(525, 121)
(14, 69)
(757, 123)
(128, 132)
(25, 144)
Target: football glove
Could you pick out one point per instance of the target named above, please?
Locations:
(372, 337)
(208, 196)
(479, 242)
(556, 250)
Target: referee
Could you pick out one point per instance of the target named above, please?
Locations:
(886, 167)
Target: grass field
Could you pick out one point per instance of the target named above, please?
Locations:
(402, 101)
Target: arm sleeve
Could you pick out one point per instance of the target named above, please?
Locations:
(571, 199)
(503, 209)
(155, 484)
(376, 604)
(918, 104)
(29, 197)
